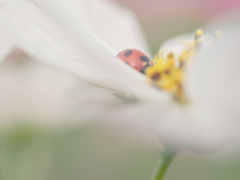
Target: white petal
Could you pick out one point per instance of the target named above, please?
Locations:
(134, 81)
(187, 128)
(36, 93)
(34, 38)
(53, 47)
(115, 25)
(177, 126)
(214, 85)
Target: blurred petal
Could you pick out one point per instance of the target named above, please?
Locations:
(35, 93)
(188, 128)
(135, 82)
(178, 126)
(214, 85)
(48, 47)
(117, 26)
(114, 25)
(36, 38)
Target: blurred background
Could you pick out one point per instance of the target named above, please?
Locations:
(96, 151)
(162, 19)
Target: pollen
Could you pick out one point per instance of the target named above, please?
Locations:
(199, 32)
(167, 71)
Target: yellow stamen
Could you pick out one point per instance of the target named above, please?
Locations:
(165, 75)
(199, 32)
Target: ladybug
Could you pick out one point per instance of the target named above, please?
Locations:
(136, 59)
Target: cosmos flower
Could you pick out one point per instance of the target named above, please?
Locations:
(69, 35)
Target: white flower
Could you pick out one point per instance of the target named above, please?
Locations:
(66, 34)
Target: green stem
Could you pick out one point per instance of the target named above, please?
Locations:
(165, 161)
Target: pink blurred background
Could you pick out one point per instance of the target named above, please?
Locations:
(162, 19)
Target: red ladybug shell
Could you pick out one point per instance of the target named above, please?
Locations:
(136, 59)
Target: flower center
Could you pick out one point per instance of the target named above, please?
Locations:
(167, 72)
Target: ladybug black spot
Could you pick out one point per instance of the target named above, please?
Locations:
(144, 58)
(127, 53)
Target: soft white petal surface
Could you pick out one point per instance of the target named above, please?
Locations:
(214, 85)
(117, 26)
(45, 46)
(35, 93)
(177, 126)
(35, 34)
